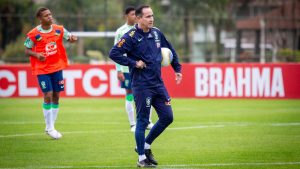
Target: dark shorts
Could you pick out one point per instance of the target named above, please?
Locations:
(51, 82)
(126, 84)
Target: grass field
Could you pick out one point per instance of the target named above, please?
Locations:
(221, 134)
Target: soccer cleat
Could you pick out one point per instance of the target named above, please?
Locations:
(150, 125)
(150, 156)
(132, 128)
(145, 164)
(54, 134)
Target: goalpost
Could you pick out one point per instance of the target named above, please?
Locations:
(108, 34)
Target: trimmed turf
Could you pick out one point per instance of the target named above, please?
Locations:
(222, 134)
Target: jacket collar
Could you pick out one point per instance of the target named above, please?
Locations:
(139, 30)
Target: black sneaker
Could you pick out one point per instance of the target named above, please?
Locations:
(150, 156)
(145, 164)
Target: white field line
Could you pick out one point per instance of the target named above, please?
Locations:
(67, 132)
(170, 165)
(178, 122)
(41, 122)
(233, 124)
(207, 125)
(108, 123)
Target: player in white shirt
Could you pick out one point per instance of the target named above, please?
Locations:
(123, 71)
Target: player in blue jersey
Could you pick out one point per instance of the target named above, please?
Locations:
(123, 71)
(142, 44)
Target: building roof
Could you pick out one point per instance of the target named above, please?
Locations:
(286, 16)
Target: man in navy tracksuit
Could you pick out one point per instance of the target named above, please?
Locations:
(142, 45)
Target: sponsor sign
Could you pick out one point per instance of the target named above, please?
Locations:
(199, 81)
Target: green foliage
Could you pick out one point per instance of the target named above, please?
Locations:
(289, 55)
(86, 15)
(178, 20)
(15, 12)
(15, 52)
(203, 12)
(106, 15)
(80, 59)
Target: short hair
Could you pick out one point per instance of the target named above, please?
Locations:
(139, 10)
(40, 10)
(129, 9)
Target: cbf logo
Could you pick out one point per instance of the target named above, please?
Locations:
(43, 84)
(158, 44)
(148, 102)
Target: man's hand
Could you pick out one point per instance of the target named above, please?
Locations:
(140, 64)
(178, 78)
(40, 57)
(72, 39)
(120, 76)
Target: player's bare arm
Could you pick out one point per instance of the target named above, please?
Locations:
(39, 56)
(120, 76)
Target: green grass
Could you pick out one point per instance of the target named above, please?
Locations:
(221, 134)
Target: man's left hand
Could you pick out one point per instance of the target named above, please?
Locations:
(178, 78)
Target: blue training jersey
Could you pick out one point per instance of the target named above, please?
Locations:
(145, 46)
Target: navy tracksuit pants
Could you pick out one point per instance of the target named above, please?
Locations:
(159, 98)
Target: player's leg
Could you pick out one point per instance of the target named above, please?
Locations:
(142, 100)
(58, 86)
(47, 110)
(126, 84)
(165, 118)
(54, 111)
(47, 89)
(55, 106)
(48, 114)
(162, 105)
(150, 125)
(130, 109)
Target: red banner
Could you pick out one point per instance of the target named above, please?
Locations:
(199, 81)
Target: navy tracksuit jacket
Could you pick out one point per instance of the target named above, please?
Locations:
(147, 84)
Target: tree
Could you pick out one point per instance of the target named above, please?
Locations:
(13, 18)
(213, 10)
(219, 19)
(88, 15)
(71, 9)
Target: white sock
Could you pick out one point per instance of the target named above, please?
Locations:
(48, 116)
(147, 146)
(130, 112)
(142, 157)
(55, 110)
(150, 114)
